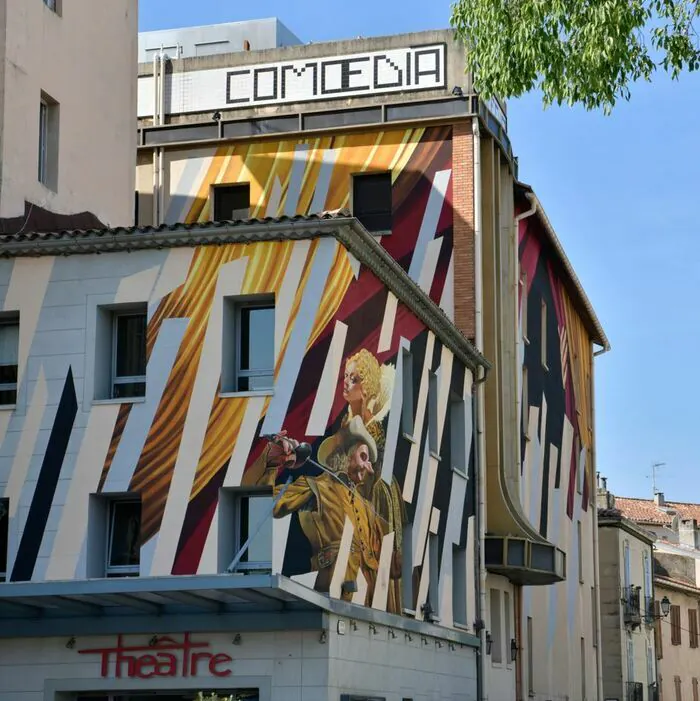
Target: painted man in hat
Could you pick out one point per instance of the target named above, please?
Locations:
(324, 502)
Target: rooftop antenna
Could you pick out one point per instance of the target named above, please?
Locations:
(654, 467)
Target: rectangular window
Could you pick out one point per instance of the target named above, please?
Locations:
(434, 585)
(658, 640)
(526, 405)
(458, 449)
(407, 417)
(4, 536)
(246, 521)
(459, 585)
(231, 202)
(693, 627)
(583, 668)
(129, 354)
(496, 635)
(48, 142)
(506, 623)
(695, 689)
(123, 538)
(9, 354)
(675, 625)
(650, 664)
(371, 201)
(580, 551)
(54, 5)
(530, 660)
(543, 335)
(627, 565)
(678, 687)
(407, 583)
(523, 307)
(647, 580)
(580, 464)
(249, 344)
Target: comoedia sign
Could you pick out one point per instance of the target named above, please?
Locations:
(305, 80)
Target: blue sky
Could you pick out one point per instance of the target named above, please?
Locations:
(621, 192)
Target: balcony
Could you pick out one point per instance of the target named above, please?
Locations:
(631, 603)
(649, 613)
(524, 561)
(634, 691)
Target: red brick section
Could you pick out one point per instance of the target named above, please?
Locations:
(463, 212)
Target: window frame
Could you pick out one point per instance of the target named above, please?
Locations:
(496, 627)
(238, 495)
(216, 191)
(693, 628)
(54, 6)
(367, 175)
(48, 142)
(115, 379)
(408, 418)
(10, 320)
(119, 571)
(675, 619)
(5, 517)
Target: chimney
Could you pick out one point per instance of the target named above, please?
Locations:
(604, 499)
(659, 499)
(688, 532)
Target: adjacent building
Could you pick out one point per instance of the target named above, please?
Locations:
(67, 102)
(629, 615)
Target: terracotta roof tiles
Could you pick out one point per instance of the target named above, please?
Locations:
(646, 510)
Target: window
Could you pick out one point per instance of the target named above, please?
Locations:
(506, 621)
(249, 345)
(579, 457)
(693, 627)
(530, 660)
(677, 685)
(48, 142)
(458, 449)
(53, 5)
(695, 689)
(9, 354)
(246, 521)
(658, 641)
(543, 335)
(647, 581)
(675, 625)
(630, 658)
(434, 584)
(626, 556)
(231, 202)
(526, 406)
(128, 354)
(4, 536)
(459, 585)
(580, 552)
(407, 573)
(650, 664)
(496, 640)
(523, 306)
(407, 418)
(371, 201)
(124, 538)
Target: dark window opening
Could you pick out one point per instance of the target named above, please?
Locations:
(232, 202)
(371, 201)
(124, 543)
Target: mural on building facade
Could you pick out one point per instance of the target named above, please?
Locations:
(362, 494)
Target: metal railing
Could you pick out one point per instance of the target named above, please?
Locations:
(631, 605)
(634, 691)
(649, 612)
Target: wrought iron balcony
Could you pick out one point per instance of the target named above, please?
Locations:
(634, 691)
(631, 606)
(649, 613)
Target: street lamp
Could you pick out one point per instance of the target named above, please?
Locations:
(665, 606)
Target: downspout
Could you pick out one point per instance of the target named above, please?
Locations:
(156, 109)
(480, 413)
(161, 179)
(519, 686)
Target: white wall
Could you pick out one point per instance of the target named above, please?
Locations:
(86, 60)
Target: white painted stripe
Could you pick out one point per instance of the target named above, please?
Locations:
(424, 585)
(427, 273)
(72, 528)
(412, 466)
(341, 562)
(273, 204)
(209, 560)
(288, 291)
(206, 383)
(28, 284)
(296, 178)
(323, 180)
(444, 381)
(5, 417)
(434, 520)
(25, 448)
(360, 596)
(394, 423)
(553, 457)
(423, 513)
(536, 488)
(173, 272)
(325, 392)
(186, 173)
(280, 534)
(354, 264)
(244, 441)
(471, 568)
(277, 411)
(308, 579)
(567, 445)
(142, 415)
(431, 217)
(447, 300)
(381, 588)
(137, 287)
(530, 450)
(387, 332)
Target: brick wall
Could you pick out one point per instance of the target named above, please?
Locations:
(463, 201)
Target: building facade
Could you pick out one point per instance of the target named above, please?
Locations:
(628, 612)
(66, 109)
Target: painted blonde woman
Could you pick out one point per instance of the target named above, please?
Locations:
(367, 388)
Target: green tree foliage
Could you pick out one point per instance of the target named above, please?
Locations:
(584, 52)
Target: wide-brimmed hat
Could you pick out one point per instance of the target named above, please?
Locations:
(353, 433)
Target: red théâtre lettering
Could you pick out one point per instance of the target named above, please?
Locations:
(159, 660)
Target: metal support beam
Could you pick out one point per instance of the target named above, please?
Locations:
(132, 602)
(189, 599)
(62, 602)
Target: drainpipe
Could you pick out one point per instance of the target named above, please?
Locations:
(480, 414)
(156, 110)
(161, 178)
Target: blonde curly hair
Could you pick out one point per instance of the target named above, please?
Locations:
(369, 372)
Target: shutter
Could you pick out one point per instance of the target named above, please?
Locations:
(658, 642)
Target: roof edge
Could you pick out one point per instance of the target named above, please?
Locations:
(598, 334)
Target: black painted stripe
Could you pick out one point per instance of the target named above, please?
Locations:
(46, 484)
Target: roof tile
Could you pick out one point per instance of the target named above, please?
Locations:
(646, 510)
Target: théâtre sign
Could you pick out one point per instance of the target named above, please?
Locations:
(165, 658)
(408, 69)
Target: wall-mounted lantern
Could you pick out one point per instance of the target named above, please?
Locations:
(513, 650)
(665, 606)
